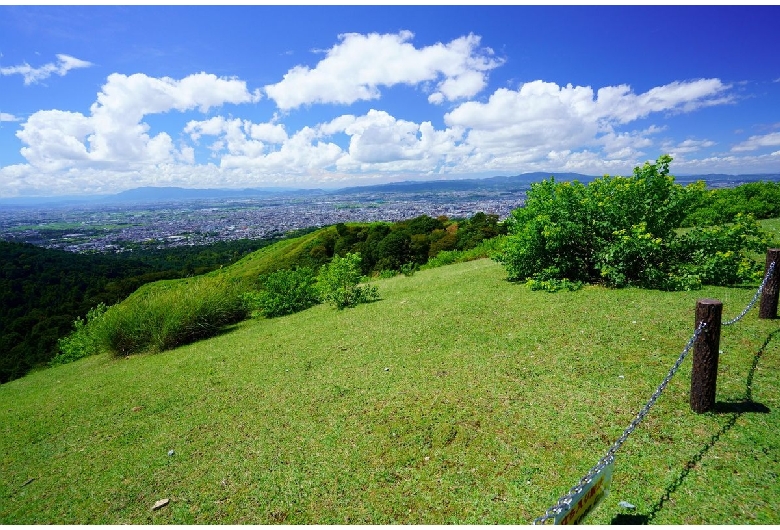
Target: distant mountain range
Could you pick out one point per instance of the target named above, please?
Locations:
(152, 194)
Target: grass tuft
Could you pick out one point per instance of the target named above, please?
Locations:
(169, 314)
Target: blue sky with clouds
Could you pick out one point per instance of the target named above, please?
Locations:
(102, 99)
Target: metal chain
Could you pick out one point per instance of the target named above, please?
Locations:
(564, 503)
(752, 303)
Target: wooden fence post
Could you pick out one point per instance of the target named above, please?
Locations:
(768, 308)
(705, 355)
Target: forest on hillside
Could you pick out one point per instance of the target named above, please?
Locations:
(42, 291)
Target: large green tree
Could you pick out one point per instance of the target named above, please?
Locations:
(623, 231)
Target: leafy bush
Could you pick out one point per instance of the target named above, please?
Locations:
(718, 254)
(623, 231)
(287, 291)
(339, 281)
(408, 269)
(553, 285)
(169, 315)
(253, 303)
(83, 340)
(760, 199)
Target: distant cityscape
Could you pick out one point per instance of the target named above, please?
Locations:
(170, 217)
(122, 227)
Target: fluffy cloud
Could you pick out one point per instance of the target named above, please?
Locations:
(377, 142)
(620, 105)
(539, 104)
(757, 142)
(4, 116)
(31, 75)
(523, 126)
(355, 68)
(265, 146)
(380, 142)
(687, 146)
(114, 133)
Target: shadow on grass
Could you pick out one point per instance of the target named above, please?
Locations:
(734, 410)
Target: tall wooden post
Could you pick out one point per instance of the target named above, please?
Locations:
(768, 308)
(705, 355)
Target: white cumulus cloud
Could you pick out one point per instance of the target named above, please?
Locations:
(31, 75)
(380, 142)
(757, 142)
(114, 132)
(240, 138)
(359, 65)
(524, 126)
(686, 146)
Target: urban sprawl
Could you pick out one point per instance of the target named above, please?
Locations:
(123, 227)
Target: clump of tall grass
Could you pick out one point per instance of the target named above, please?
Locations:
(171, 314)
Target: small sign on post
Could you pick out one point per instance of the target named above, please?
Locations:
(587, 499)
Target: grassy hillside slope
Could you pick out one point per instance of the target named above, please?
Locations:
(457, 398)
(281, 255)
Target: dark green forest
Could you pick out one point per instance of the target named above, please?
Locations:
(42, 291)
(409, 243)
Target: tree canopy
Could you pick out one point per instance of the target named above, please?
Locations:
(624, 231)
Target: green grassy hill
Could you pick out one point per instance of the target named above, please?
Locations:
(281, 255)
(457, 398)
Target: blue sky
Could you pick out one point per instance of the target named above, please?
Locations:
(102, 99)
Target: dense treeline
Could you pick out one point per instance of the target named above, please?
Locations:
(713, 207)
(43, 291)
(395, 246)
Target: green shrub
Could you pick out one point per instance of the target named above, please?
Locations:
(253, 303)
(553, 285)
(444, 257)
(339, 280)
(633, 257)
(83, 340)
(287, 291)
(719, 254)
(760, 199)
(408, 269)
(623, 231)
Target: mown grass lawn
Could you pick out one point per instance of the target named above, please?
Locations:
(457, 398)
